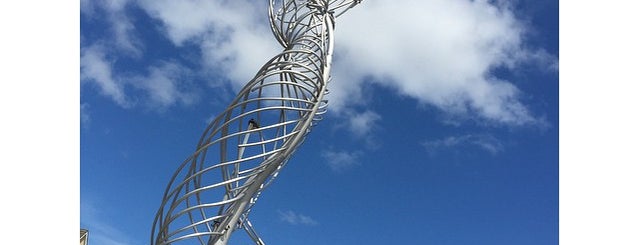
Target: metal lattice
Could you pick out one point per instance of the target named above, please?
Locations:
(243, 149)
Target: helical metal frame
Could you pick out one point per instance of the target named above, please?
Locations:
(247, 145)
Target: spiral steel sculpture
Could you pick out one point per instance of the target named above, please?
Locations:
(207, 199)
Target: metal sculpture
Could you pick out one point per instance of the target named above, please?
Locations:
(207, 199)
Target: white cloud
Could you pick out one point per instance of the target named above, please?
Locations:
(296, 218)
(95, 68)
(439, 52)
(339, 161)
(185, 20)
(165, 85)
(484, 142)
(361, 124)
(124, 32)
(234, 36)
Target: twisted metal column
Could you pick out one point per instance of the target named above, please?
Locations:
(207, 199)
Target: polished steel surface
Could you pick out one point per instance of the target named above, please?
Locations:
(244, 148)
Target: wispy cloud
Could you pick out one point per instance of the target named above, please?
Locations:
(483, 141)
(94, 67)
(360, 124)
(101, 232)
(165, 85)
(340, 161)
(162, 85)
(293, 218)
(85, 117)
(122, 30)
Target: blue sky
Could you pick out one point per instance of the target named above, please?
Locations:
(462, 170)
(443, 124)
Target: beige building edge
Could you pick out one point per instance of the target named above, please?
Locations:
(84, 237)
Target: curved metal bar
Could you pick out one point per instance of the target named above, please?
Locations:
(247, 145)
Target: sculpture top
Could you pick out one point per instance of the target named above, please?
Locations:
(289, 18)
